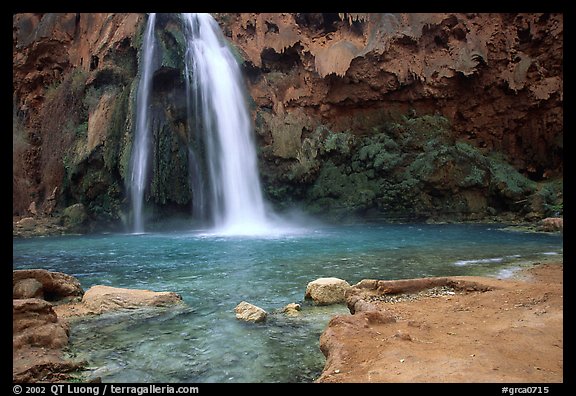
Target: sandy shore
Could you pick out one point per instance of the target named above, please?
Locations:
(511, 332)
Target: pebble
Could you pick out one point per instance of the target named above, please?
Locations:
(432, 292)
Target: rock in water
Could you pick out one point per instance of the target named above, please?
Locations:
(38, 338)
(250, 313)
(326, 291)
(52, 286)
(552, 224)
(99, 299)
(292, 309)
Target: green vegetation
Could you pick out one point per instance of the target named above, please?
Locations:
(412, 168)
(170, 169)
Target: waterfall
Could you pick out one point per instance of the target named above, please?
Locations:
(216, 96)
(222, 160)
(141, 146)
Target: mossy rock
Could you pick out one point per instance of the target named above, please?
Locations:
(74, 217)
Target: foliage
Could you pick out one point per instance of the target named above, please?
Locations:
(170, 182)
(63, 119)
(507, 181)
(412, 167)
(550, 194)
(116, 130)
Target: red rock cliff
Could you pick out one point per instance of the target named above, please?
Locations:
(317, 81)
(497, 77)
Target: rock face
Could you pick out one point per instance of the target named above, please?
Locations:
(405, 116)
(35, 324)
(397, 115)
(326, 291)
(250, 313)
(37, 342)
(72, 79)
(40, 329)
(38, 334)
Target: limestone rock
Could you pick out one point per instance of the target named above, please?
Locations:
(74, 216)
(38, 334)
(250, 313)
(28, 288)
(292, 309)
(35, 324)
(552, 224)
(99, 299)
(52, 286)
(326, 291)
(38, 337)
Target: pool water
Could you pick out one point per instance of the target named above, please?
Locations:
(202, 341)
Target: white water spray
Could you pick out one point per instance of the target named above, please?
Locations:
(141, 145)
(216, 86)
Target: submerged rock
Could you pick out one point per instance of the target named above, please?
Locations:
(40, 330)
(250, 313)
(99, 299)
(292, 309)
(326, 291)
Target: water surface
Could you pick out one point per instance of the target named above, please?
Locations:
(202, 341)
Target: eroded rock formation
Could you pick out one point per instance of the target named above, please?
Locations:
(362, 111)
(39, 336)
(455, 329)
(43, 301)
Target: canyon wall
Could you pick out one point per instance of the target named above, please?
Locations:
(394, 116)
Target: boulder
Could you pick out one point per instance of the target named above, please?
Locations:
(52, 286)
(28, 288)
(74, 217)
(99, 299)
(35, 324)
(552, 224)
(326, 291)
(38, 340)
(27, 223)
(250, 313)
(291, 309)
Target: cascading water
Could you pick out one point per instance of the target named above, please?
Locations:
(215, 87)
(141, 146)
(222, 157)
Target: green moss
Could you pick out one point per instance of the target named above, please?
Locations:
(82, 129)
(337, 143)
(413, 168)
(116, 130)
(378, 157)
(170, 169)
(336, 188)
(507, 181)
(550, 194)
(125, 149)
(172, 46)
